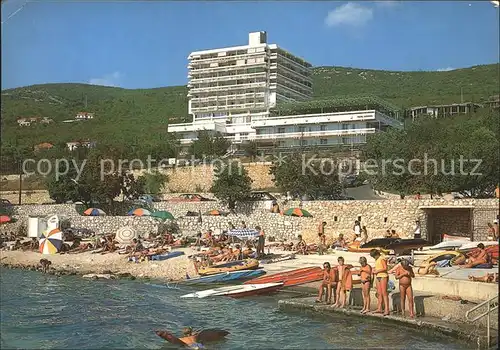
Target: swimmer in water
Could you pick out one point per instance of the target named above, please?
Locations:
(193, 339)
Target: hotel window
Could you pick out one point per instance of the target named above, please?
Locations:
(302, 129)
(281, 130)
(322, 127)
(323, 142)
(303, 142)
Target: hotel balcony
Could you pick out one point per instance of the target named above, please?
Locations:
(322, 118)
(195, 71)
(228, 107)
(228, 77)
(312, 134)
(227, 87)
(228, 97)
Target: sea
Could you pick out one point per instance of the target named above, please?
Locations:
(39, 311)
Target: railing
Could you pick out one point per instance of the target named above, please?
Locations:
(296, 135)
(489, 310)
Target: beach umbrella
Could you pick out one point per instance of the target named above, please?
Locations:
(297, 212)
(139, 212)
(214, 212)
(51, 242)
(125, 235)
(94, 212)
(162, 214)
(4, 219)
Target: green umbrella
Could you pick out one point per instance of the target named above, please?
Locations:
(162, 214)
(297, 212)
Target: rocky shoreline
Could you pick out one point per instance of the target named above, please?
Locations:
(96, 266)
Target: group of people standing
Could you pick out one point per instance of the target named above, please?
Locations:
(337, 281)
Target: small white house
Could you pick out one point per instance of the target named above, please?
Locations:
(84, 116)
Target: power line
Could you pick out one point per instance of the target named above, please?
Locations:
(15, 12)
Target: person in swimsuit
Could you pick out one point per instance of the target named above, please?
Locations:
(344, 284)
(329, 282)
(301, 246)
(365, 273)
(262, 242)
(482, 258)
(340, 242)
(382, 276)
(488, 278)
(322, 238)
(404, 274)
(364, 236)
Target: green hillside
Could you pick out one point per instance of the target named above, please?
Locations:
(143, 114)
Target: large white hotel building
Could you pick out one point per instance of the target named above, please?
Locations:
(233, 91)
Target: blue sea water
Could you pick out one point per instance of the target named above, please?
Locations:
(47, 312)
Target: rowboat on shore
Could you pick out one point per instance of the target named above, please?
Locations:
(225, 277)
(237, 291)
(292, 277)
(250, 264)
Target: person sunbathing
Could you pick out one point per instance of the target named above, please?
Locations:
(488, 278)
(288, 246)
(340, 242)
(301, 246)
(429, 269)
(482, 257)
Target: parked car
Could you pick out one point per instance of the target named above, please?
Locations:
(5, 203)
(261, 196)
(189, 197)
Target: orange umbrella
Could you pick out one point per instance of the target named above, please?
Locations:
(214, 212)
(297, 212)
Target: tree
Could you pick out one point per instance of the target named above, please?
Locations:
(154, 182)
(208, 145)
(251, 149)
(303, 174)
(232, 183)
(437, 156)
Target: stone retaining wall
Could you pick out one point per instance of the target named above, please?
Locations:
(377, 216)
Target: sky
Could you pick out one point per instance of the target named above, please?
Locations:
(145, 44)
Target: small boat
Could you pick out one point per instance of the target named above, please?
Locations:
(253, 289)
(250, 264)
(237, 291)
(225, 277)
(210, 292)
(448, 245)
(291, 278)
(166, 256)
(473, 245)
(355, 247)
(447, 238)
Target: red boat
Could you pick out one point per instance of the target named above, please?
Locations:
(291, 278)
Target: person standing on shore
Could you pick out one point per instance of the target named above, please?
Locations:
(416, 232)
(322, 238)
(365, 273)
(357, 230)
(404, 273)
(330, 279)
(344, 284)
(364, 236)
(261, 243)
(382, 277)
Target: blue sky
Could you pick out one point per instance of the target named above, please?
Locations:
(146, 44)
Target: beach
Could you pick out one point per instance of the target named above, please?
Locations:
(111, 263)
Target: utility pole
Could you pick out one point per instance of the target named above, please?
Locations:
(461, 95)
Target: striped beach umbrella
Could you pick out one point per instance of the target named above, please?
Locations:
(125, 235)
(162, 214)
(4, 219)
(51, 242)
(139, 212)
(297, 212)
(94, 212)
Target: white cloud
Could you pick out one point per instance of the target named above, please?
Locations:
(447, 69)
(112, 79)
(350, 14)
